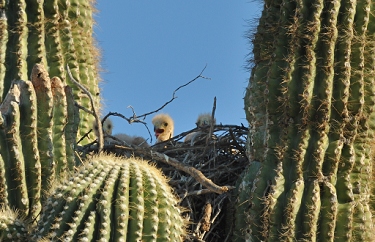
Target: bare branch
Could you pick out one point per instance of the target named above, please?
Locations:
(174, 93)
(196, 174)
(209, 136)
(129, 120)
(94, 111)
(83, 108)
(137, 119)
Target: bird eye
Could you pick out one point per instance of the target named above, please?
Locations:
(165, 124)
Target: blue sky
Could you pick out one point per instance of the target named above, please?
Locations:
(149, 48)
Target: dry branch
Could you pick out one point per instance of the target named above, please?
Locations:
(94, 110)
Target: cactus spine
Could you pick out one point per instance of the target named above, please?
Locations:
(310, 106)
(112, 199)
(13, 227)
(33, 149)
(53, 33)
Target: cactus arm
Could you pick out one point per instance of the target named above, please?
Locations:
(71, 128)
(42, 86)
(79, 25)
(3, 46)
(55, 57)
(3, 165)
(28, 134)
(59, 116)
(17, 45)
(11, 152)
(36, 33)
(18, 194)
(52, 33)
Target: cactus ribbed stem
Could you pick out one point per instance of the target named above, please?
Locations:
(36, 33)
(59, 115)
(310, 108)
(33, 127)
(71, 128)
(16, 50)
(18, 195)
(29, 134)
(53, 33)
(12, 227)
(107, 201)
(3, 44)
(122, 204)
(3, 181)
(42, 85)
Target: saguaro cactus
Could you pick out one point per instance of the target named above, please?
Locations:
(54, 33)
(12, 227)
(37, 120)
(112, 199)
(310, 106)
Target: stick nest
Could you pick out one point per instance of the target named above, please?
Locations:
(203, 173)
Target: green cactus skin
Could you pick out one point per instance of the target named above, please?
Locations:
(36, 116)
(42, 86)
(3, 44)
(59, 123)
(71, 128)
(112, 199)
(28, 135)
(310, 107)
(54, 33)
(12, 227)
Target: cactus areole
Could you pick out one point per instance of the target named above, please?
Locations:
(310, 107)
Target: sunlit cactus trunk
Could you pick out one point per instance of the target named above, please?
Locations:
(310, 107)
(38, 128)
(54, 33)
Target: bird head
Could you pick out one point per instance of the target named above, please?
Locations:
(204, 120)
(107, 127)
(163, 127)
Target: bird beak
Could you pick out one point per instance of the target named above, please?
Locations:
(158, 132)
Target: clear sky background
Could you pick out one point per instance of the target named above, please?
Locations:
(149, 48)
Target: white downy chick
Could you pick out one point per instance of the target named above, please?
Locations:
(128, 140)
(132, 140)
(163, 127)
(203, 121)
(107, 127)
